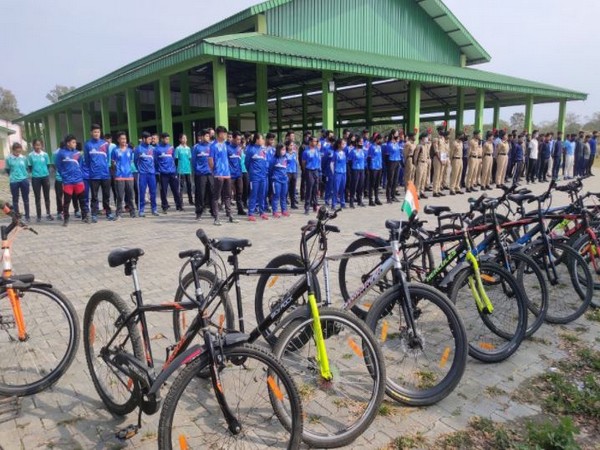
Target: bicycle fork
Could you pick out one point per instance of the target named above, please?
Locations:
(483, 302)
(323, 360)
(13, 296)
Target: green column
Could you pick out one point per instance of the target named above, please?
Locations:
(529, 114)
(220, 93)
(262, 97)
(85, 118)
(166, 112)
(328, 101)
(304, 109)
(38, 130)
(47, 142)
(279, 117)
(57, 130)
(369, 101)
(496, 122)
(184, 81)
(70, 122)
(562, 114)
(414, 105)
(479, 107)
(120, 110)
(132, 114)
(105, 115)
(460, 111)
(27, 131)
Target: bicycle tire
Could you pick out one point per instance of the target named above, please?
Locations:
(591, 254)
(265, 408)
(120, 395)
(270, 291)
(43, 320)
(180, 320)
(403, 361)
(353, 352)
(489, 340)
(571, 294)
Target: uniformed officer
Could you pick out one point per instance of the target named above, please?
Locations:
(440, 160)
(501, 158)
(474, 165)
(488, 160)
(456, 162)
(409, 151)
(421, 161)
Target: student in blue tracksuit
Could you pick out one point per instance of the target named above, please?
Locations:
(235, 154)
(258, 167)
(375, 168)
(292, 171)
(394, 156)
(67, 163)
(164, 157)
(38, 162)
(121, 158)
(144, 161)
(279, 181)
(203, 178)
(358, 158)
(97, 161)
(339, 163)
(219, 164)
(327, 175)
(311, 166)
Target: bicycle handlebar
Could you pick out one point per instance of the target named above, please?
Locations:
(16, 219)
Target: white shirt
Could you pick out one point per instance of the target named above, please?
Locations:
(533, 148)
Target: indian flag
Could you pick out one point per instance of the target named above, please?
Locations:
(411, 201)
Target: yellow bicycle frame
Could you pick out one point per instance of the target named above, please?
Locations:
(319, 340)
(481, 299)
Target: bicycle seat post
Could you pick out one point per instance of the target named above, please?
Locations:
(131, 269)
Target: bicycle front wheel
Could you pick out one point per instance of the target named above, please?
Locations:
(338, 410)
(259, 392)
(493, 336)
(30, 365)
(590, 252)
(423, 365)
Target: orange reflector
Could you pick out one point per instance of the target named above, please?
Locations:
(444, 358)
(384, 331)
(272, 281)
(130, 383)
(487, 346)
(355, 348)
(183, 321)
(221, 322)
(488, 278)
(183, 442)
(274, 388)
(92, 335)
(367, 306)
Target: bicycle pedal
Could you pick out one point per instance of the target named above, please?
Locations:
(128, 432)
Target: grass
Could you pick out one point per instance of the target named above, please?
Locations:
(386, 409)
(593, 315)
(494, 391)
(569, 337)
(408, 442)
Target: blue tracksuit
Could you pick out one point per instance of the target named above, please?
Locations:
(122, 160)
(144, 161)
(339, 163)
(200, 154)
(164, 158)
(235, 161)
(258, 167)
(218, 153)
(67, 164)
(279, 182)
(97, 159)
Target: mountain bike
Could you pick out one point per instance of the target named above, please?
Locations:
(228, 393)
(39, 328)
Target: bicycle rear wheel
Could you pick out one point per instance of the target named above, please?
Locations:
(52, 336)
(590, 252)
(259, 392)
(494, 336)
(339, 410)
(422, 369)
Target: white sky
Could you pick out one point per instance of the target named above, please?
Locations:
(71, 42)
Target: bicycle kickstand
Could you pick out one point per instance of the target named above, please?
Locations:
(130, 431)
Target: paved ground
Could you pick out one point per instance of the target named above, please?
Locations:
(71, 415)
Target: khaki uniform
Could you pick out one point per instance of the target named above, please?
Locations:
(421, 161)
(456, 162)
(501, 162)
(486, 166)
(474, 164)
(446, 167)
(409, 167)
(440, 161)
(428, 148)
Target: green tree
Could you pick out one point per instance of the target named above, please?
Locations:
(517, 121)
(58, 91)
(9, 109)
(593, 122)
(573, 123)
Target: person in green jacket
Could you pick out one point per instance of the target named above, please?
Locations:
(38, 162)
(183, 160)
(16, 167)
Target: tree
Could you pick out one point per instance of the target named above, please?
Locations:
(517, 121)
(573, 123)
(9, 110)
(593, 122)
(58, 91)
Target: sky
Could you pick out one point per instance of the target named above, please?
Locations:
(73, 42)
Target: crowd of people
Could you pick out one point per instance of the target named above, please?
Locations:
(265, 177)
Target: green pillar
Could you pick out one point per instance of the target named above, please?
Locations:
(562, 114)
(70, 122)
(85, 118)
(57, 130)
(184, 81)
(479, 107)
(262, 106)
(47, 143)
(132, 114)
(105, 115)
(369, 101)
(460, 111)
(304, 109)
(328, 101)
(279, 117)
(38, 130)
(27, 130)
(220, 93)
(496, 122)
(120, 110)
(529, 114)
(414, 105)
(166, 111)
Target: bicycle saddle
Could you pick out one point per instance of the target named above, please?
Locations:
(521, 198)
(436, 210)
(120, 256)
(231, 244)
(392, 224)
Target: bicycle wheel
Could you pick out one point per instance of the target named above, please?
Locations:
(104, 312)
(572, 289)
(494, 336)
(219, 308)
(259, 391)
(336, 412)
(422, 369)
(34, 364)
(271, 290)
(591, 254)
(532, 282)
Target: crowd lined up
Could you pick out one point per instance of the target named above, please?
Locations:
(261, 175)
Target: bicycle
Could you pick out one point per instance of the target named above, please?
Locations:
(333, 356)
(248, 397)
(34, 317)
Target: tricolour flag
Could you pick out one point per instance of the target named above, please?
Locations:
(411, 201)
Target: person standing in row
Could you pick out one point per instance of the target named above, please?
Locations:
(183, 161)
(375, 161)
(394, 157)
(144, 161)
(67, 163)
(409, 151)
(279, 180)
(97, 160)
(164, 155)
(339, 165)
(557, 154)
(292, 171)
(16, 168)
(502, 150)
(38, 162)
(58, 185)
(219, 165)
(358, 158)
(258, 169)
(474, 164)
(203, 178)
(532, 161)
(518, 160)
(311, 165)
(545, 153)
(487, 161)
(235, 153)
(440, 159)
(420, 160)
(122, 157)
(456, 164)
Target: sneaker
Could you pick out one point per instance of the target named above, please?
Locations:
(294, 207)
(38, 220)
(132, 214)
(59, 216)
(306, 212)
(263, 216)
(94, 219)
(111, 217)
(142, 214)
(377, 202)
(180, 209)
(251, 218)
(217, 223)
(65, 223)
(232, 220)
(276, 215)
(165, 210)
(155, 213)
(285, 214)
(78, 214)
(49, 218)
(241, 212)
(198, 216)
(86, 219)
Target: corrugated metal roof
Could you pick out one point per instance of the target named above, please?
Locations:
(255, 47)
